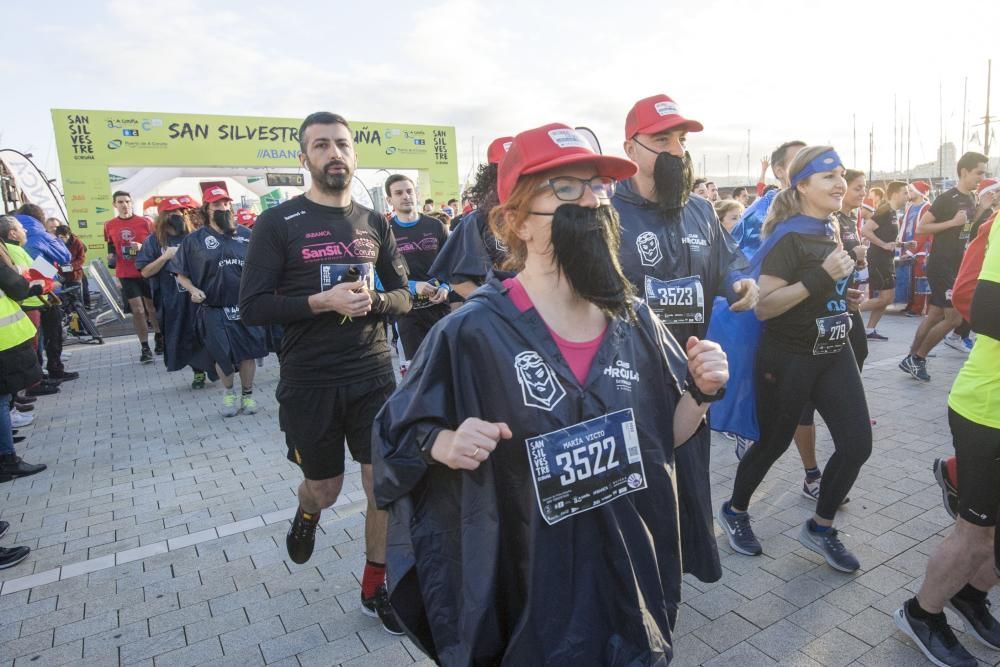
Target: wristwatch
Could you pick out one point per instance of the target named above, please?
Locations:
(701, 397)
(377, 300)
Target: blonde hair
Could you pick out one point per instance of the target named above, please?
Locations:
(788, 203)
(724, 206)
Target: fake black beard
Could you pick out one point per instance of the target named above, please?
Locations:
(224, 221)
(672, 180)
(175, 224)
(585, 244)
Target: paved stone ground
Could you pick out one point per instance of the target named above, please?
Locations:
(157, 537)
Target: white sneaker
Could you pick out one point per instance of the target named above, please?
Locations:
(955, 342)
(19, 419)
(230, 404)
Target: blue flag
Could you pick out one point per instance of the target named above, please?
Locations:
(739, 335)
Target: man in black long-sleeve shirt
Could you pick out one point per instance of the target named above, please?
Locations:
(311, 267)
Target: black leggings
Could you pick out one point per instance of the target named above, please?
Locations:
(859, 343)
(786, 382)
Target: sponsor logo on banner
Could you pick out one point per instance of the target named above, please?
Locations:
(33, 184)
(648, 246)
(539, 386)
(115, 144)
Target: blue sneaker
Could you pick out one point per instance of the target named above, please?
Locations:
(967, 342)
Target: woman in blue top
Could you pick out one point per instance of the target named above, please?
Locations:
(804, 354)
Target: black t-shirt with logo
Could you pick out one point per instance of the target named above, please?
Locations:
(301, 248)
(798, 328)
(848, 232)
(214, 264)
(886, 221)
(949, 245)
(419, 244)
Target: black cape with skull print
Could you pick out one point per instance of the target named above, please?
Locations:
(669, 246)
(475, 574)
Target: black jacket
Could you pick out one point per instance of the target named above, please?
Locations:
(475, 573)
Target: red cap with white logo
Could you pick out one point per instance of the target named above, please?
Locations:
(498, 149)
(657, 114)
(216, 193)
(551, 146)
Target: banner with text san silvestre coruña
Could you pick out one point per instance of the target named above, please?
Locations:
(91, 144)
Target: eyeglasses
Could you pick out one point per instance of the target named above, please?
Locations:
(570, 188)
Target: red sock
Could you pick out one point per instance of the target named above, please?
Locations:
(951, 468)
(373, 578)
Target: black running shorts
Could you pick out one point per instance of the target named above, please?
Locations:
(317, 420)
(133, 288)
(977, 452)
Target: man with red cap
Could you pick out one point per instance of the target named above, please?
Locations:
(209, 265)
(679, 258)
(124, 235)
(529, 414)
(472, 251)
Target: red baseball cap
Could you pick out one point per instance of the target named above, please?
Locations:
(498, 149)
(216, 193)
(551, 146)
(657, 114)
(988, 185)
(923, 187)
(176, 204)
(246, 217)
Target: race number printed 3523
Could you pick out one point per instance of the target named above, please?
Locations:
(586, 465)
(679, 301)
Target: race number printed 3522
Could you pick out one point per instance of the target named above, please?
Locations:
(586, 465)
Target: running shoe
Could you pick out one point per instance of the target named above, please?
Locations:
(828, 545)
(728, 436)
(13, 556)
(301, 537)
(915, 367)
(23, 408)
(13, 466)
(968, 343)
(935, 638)
(43, 388)
(158, 343)
(249, 404)
(949, 493)
(742, 445)
(378, 606)
(810, 489)
(979, 622)
(739, 532)
(875, 335)
(19, 419)
(230, 404)
(145, 355)
(199, 381)
(955, 342)
(64, 376)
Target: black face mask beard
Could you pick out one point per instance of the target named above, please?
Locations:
(672, 180)
(175, 224)
(224, 220)
(585, 244)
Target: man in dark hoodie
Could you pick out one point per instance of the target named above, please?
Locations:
(679, 258)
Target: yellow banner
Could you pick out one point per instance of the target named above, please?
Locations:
(91, 143)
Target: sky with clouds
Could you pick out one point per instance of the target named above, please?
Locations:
(782, 69)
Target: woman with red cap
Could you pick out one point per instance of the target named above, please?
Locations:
(527, 459)
(174, 310)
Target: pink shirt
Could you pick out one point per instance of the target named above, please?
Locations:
(579, 356)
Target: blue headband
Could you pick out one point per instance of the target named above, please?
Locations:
(827, 161)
